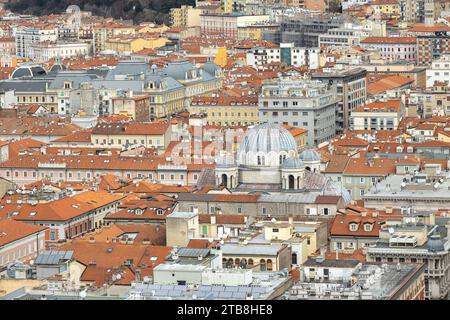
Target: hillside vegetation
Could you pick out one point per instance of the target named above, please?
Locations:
(136, 10)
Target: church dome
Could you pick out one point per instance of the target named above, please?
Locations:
(310, 155)
(293, 163)
(267, 138)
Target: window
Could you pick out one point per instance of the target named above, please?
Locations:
(275, 230)
(353, 226)
(368, 227)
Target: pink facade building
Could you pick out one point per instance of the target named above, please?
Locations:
(19, 241)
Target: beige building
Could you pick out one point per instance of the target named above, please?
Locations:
(385, 115)
(181, 227)
(258, 257)
(127, 44)
(150, 135)
(185, 17)
(102, 32)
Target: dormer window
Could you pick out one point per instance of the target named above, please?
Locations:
(353, 226)
(160, 212)
(139, 212)
(368, 227)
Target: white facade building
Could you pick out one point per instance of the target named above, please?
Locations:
(44, 51)
(26, 37)
(439, 71)
(287, 53)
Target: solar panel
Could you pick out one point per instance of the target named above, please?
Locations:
(204, 288)
(162, 293)
(193, 252)
(232, 289)
(225, 294)
(258, 290)
(239, 295)
(217, 288)
(166, 287)
(175, 293)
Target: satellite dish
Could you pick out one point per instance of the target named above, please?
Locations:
(118, 277)
(391, 230)
(83, 294)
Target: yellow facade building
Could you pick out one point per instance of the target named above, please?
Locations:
(102, 32)
(254, 32)
(227, 111)
(386, 7)
(150, 135)
(185, 17)
(131, 44)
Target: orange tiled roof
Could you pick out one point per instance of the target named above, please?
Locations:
(11, 230)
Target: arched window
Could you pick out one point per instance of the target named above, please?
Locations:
(230, 263)
(237, 261)
(250, 262)
(224, 180)
(224, 263)
(294, 258)
(281, 159)
(259, 160)
(262, 265)
(269, 265)
(244, 263)
(291, 182)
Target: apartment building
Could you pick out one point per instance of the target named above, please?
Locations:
(47, 50)
(300, 103)
(351, 89)
(150, 135)
(26, 37)
(415, 242)
(393, 48)
(362, 174)
(227, 111)
(285, 53)
(185, 17)
(227, 24)
(102, 32)
(128, 44)
(439, 70)
(384, 115)
(19, 242)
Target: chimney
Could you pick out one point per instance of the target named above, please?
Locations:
(363, 213)
(291, 220)
(91, 239)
